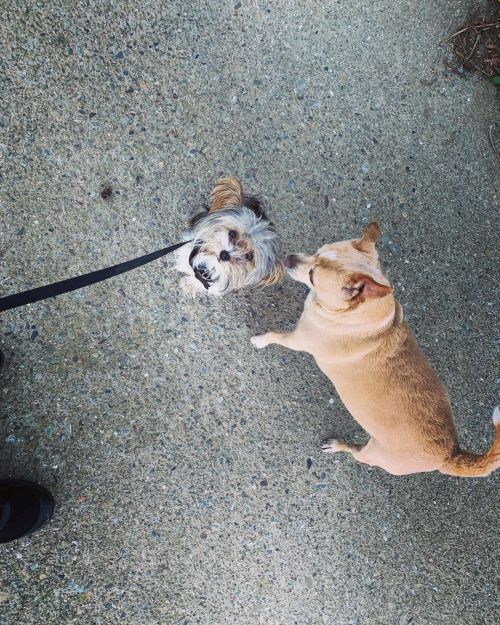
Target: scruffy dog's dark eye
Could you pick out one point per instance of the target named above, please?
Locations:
(311, 271)
(233, 235)
(249, 255)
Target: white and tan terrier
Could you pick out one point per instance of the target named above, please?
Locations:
(233, 245)
(354, 328)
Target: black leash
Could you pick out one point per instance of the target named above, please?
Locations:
(71, 284)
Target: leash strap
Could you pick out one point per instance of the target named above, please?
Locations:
(78, 282)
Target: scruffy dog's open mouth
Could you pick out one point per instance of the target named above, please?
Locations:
(204, 275)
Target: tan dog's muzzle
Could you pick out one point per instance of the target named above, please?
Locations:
(297, 266)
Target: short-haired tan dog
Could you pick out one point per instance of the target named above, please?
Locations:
(354, 328)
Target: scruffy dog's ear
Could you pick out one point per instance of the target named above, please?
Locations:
(276, 275)
(370, 236)
(226, 193)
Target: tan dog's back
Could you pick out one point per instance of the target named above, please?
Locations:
(355, 330)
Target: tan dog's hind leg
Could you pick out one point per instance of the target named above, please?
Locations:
(334, 445)
(286, 339)
(375, 456)
(367, 454)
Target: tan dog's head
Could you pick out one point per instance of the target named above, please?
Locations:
(343, 275)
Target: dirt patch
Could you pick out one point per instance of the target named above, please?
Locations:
(475, 45)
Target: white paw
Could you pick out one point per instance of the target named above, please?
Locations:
(259, 341)
(189, 286)
(331, 447)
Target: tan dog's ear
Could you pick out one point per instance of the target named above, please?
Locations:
(226, 193)
(370, 236)
(360, 287)
(277, 274)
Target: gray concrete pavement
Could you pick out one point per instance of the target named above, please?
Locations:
(186, 466)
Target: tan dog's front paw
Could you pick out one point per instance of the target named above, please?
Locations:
(260, 341)
(331, 446)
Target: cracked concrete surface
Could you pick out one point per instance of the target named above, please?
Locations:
(187, 466)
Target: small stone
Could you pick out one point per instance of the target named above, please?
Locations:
(309, 463)
(106, 192)
(263, 483)
(4, 596)
(34, 334)
(119, 55)
(75, 587)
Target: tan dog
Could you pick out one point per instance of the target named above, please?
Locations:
(354, 328)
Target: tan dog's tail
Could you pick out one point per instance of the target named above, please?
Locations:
(226, 193)
(467, 464)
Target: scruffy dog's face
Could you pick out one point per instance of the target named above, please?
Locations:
(233, 245)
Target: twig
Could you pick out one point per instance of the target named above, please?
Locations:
(474, 47)
(470, 27)
(495, 151)
(459, 32)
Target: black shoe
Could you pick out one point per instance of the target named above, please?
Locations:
(25, 507)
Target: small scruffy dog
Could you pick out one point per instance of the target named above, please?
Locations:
(232, 245)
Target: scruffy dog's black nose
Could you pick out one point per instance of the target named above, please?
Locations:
(224, 255)
(291, 261)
